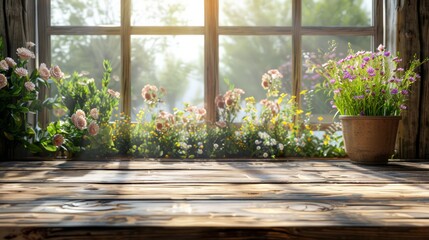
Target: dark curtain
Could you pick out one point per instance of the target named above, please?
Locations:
(13, 27)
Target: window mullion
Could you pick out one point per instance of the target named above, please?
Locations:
(296, 49)
(211, 57)
(378, 18)
(44, 47)
(126, 56)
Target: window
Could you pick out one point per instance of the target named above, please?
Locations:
(191, 46)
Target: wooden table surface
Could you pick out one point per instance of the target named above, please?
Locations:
(211, 199)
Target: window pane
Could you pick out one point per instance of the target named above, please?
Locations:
(173, 62)
(255, 13)
(85, 12)
(244, 59)
(320, 104)
(167, 13)
(85, 54)
(337, 13)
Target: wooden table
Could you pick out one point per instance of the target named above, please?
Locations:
(210, 199)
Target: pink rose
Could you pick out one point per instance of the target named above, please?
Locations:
(93, 128)
(44, 72)
(3, 81)
(80, 122)
(3, 65)
(79, 113)
(22, 72)
(113, 93)
(150, 93)
(56, 72)
(221, 124)
(30, 44)
(94, 113)
(229, 101)
(30, 86)
(238, 91)
(220, 101)
(159, 125)
(24, 53)
(275, 73)
(73, 118)
(58, 140)
(201, 111)
(10, 62)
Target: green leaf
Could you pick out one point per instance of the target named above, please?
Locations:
(34, 148)
(17, 119)
(51, 129)
(11, 106)
(9, 136)
(49, 147)
(30, 131)
(24, 109)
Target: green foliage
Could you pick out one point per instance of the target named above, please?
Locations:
(79, 96)
(280, 129)
(19, 98)
(122, 134)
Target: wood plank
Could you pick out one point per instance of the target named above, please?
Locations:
(19, 192)
(232, 233)
(211, 176)
(240, 213)
(409, 43)
(139, 164)
(423, 19)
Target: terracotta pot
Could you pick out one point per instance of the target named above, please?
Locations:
(370, 139)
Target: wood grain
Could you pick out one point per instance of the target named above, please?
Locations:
(263, 199)
(19, 192)
(239, 213)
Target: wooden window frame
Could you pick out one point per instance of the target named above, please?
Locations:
(211, 32)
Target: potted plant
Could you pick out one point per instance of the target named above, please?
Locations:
(369, 90)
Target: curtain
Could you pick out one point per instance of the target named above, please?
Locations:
(13, 25)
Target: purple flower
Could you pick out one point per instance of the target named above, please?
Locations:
(347, 75)
(403, 107)
(371, 71)
(386, 54)
(366, 59)
(383, 91)
(359, 97)
(412, 79)
(404, 92)
(332, 81)
(400, 69)
(396, 59)
(394, 91)
(337, 91)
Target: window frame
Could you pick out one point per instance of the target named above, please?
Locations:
(211, 32)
